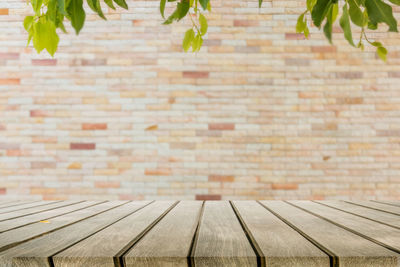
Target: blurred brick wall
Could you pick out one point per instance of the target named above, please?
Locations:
(121, 113)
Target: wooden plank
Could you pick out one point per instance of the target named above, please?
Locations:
(169, 242)
(120, 236)
(377, 206)
(344, 247)
(376, 215)
(393, 203)
(19, 235)
(221, 240)
(37, 252)
(44, 216)
(34, 210)
(377, 232)
(26, 206)
(13, 203)
(279, 243)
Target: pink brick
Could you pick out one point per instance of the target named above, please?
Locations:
(38, 113)
(3, 191)
(245, 23)
(82, 146)
(44, 62)
(196, 74)
(221, 126)
(294, 36)
(9, 56)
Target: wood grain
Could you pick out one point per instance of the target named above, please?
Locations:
(168, 243)
(376, 215)
(377, 206)
(35, 210)
(380, 233)
(393, 203)
(14, 237)
(279, 243)
(221, 240)
(346, 248)
(7, 204)
(42, 216)
(26, 206)
(93, 251)
(36, 252)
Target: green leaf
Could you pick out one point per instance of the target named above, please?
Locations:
(204, 3)
(61, 7)
(300, 24)
(311, 4)
(356, 14)
(209, 7)
(332, 13)
(328, 31)
(121, 3)
(162, 7)
(172, 17)
(36, 5)
(183, 8)
(260, 3)
(45, 36)
(378, 11)
(396, 2)
(320, 11)
(28, 22)
(372, 26)
(77, 14)
(382, 53)
(203, 24)
(52, 10)
(188, 39)
(377, 44)
(197, 42)
(345, 25)
(110, 4)
(95, 6)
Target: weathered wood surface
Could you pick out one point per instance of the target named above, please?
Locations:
(196, 233)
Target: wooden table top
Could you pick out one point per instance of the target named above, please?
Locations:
(197, 233)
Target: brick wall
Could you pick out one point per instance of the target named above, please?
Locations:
(121, 113)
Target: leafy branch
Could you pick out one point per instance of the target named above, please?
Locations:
(49, 15)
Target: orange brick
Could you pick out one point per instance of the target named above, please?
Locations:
(94, 126)
(107, 184)
(285, 186)
(208, 197)
(158, 172)
(152, 128)
(221, 126)
(221, 178)
(75, 166)
(9, 81)
(43, 165)
(3, 11)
